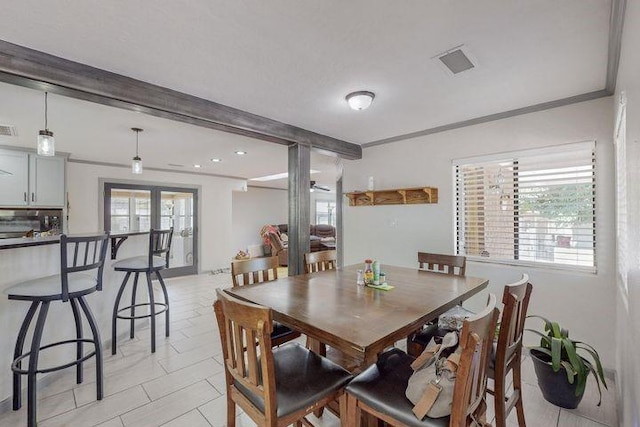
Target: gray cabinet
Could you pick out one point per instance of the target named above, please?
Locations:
(27, 179)
(14, 178)
(46, 181)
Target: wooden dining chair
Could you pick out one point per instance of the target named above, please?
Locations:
(380, 390)
(440, 263)
(274, 387)
(508, 352)
(320, 261)
(260, 270)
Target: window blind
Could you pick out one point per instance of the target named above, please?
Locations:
(535, 206)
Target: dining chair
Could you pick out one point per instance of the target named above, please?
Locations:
(274, 387)
(379, 391)
(320, 261)
(440, 263)
(508, 352)
(261, 270)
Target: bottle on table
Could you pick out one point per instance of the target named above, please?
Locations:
(376, 273)
(368, 272)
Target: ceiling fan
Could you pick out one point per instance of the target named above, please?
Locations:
(314, 186)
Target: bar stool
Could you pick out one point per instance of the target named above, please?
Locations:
(158, 259)
(78, 256)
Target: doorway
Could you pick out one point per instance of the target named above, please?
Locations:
(131, 208)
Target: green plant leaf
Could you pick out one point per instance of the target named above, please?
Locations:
(588, 364)
(598, 372)
(555, 328)
(556, 353)
(569, 370)
(545, 341)
(577, 364)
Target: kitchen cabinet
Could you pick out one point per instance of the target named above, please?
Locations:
(14, 178)
(27, 179)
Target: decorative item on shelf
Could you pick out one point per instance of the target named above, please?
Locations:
(561, 370)
(46, 141)
(136, 162)
(242, 255)
(370, 184)
(400, 196)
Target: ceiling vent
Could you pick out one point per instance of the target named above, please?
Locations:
(8, 130)
(456, 60)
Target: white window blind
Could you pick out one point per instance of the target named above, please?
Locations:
(531, 206)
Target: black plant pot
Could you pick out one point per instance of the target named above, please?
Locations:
(554, 385)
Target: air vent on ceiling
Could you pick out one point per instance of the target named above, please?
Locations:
(456, 60)
(8, 130)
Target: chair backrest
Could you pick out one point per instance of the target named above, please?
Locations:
(245, 332)
(443, 263)
(516, 301)
(160, 245)
(82, 253)
(254, 270)
(320, 261)
(470, 388)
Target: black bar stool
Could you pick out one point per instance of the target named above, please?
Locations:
(159, 246)
(78, 255)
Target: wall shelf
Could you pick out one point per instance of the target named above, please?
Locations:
(400, 196)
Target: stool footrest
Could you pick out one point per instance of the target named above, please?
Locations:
(164, 306)
(14, 365)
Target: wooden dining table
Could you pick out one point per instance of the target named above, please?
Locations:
(329, 307)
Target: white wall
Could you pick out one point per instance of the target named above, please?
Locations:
(583, 303)
(252, 210)
(216, 247)
(628, 315)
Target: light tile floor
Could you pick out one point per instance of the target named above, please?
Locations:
(182, 384)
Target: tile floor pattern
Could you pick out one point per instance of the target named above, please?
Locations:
(182, 384)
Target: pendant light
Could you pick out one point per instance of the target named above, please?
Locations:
(136, 163)
(46, 141)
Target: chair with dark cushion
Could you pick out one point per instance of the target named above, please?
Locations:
(508, 352)
(274, 387)
(380, 390)
(260, 270)
(156, 260)
(447, 264)
(81, 267)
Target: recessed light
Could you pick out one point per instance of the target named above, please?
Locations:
(197, 166)
(216, 160)
(241, 153)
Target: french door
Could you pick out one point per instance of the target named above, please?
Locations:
(131, 208)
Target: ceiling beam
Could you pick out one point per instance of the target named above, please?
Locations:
(42, 71)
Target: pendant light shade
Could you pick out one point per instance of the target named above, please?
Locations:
(136, 162)
(46, 141)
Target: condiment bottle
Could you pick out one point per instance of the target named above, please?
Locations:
(368, 272)
(376, 272)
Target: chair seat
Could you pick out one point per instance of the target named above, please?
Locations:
(302, 378)
(139, 263)
(49, 287)
(382, 386)
(280, 331)
(423, 337)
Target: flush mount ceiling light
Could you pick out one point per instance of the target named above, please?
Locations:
(216, 160)
(360, 100)
(136, 162)
(46, 141)
(241, 153)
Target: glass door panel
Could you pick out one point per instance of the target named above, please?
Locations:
(130, 210)
(176, 210)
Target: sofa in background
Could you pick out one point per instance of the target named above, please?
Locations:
(322, 237)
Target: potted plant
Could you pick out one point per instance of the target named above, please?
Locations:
(563, 365)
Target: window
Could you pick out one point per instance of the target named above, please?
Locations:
(532, 206)
(326, 212)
